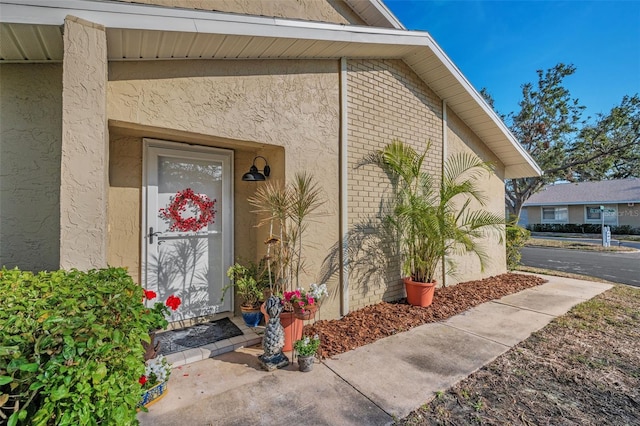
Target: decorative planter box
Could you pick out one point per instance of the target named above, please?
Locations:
(154, 394)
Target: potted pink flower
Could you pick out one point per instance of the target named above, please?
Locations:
(305, 302)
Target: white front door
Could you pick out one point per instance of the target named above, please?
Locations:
(191, 263)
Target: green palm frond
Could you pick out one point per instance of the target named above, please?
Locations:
(436, 221)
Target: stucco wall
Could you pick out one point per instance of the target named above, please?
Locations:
(460, 139)
(576, 214)
(386, 101)
(334, 11)
(30, 139)
(84, 162)
(125, 183)
(260, 108)
(629, 215)
(534, 215)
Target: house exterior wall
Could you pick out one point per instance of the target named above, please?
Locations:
(287, 111)
(30, 143)
(460, 139)
(84, 161)
(386, 101)
(626, 215)
(576, 214)
(125, 197)
(534, 214)
(629, 215)
(334, 11)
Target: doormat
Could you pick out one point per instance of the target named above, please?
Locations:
(197, 335)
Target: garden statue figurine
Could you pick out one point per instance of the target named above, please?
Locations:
(273, 339)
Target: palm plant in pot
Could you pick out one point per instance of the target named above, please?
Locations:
(435, 221)
(248, 282)
(287, 208)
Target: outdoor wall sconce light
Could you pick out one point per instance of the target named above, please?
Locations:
(254, 175)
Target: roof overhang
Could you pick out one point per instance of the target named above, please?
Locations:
(375, 13)
(31, 31)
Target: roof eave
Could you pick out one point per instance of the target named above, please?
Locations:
(340, 41)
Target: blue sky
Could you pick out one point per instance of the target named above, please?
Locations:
(500, 44)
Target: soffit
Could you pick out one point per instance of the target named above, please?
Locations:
(134, 32)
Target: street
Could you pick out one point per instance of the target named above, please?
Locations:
(620, 267)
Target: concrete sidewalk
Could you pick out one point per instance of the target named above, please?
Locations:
(370, 385)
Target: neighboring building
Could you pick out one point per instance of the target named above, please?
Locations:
(580, 203)
(109, 108)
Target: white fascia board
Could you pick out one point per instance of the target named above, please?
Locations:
(389, 16)
(158, 18)
(367, 8)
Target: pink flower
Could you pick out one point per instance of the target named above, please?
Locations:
(173, 302)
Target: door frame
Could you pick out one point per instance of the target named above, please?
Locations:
(228, 228)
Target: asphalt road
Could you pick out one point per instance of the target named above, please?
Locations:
(618, 267)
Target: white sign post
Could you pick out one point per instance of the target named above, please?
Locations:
(602, 226)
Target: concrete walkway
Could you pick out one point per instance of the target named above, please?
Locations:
(372, 385)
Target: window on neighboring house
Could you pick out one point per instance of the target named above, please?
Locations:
(593, 214)
(555, 214)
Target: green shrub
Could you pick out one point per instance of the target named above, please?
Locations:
(70, 351)
(581, 228)
(517, 236)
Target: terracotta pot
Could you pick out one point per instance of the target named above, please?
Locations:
(419, 294)
(305, 314)
(292, 329)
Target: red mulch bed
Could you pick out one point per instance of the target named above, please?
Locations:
(384, 319)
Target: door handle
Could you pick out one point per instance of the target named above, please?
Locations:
(152, 234)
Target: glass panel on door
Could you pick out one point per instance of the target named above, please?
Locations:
(188, 261)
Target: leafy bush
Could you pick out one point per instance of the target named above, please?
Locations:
(70, 351)
(579, 228)
(517, 236)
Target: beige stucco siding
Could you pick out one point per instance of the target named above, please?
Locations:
(629, 215)
(460, 139)
(576, 214)
(334, 11)
(84, 161)
(30, 139)
(125, 183)
(534, 214)
(287, 111)
(386, 101)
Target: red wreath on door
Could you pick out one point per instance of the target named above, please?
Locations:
(201, 205)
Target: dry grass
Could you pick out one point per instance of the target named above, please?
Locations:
(542, 271)
(582, 369)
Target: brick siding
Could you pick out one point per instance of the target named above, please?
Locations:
(386, 101)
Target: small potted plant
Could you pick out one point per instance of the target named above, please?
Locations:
(306, 349)
(155, 380)
(249, 287)
(306, 302)
(156, 318)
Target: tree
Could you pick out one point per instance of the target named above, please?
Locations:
(550, 128)
(617, 132)
(544, 126)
